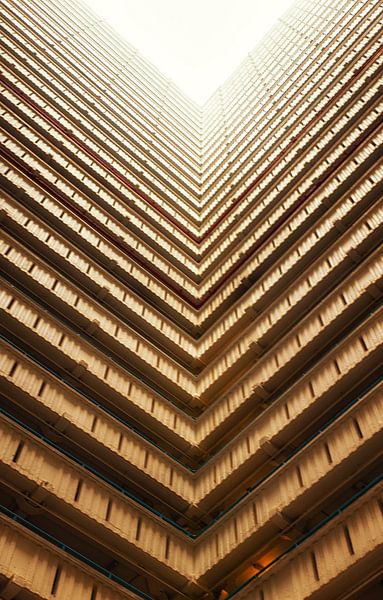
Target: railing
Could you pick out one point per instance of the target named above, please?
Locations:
(119, 580)
(307, 535)
(69, 550)
(168, 520)
(107, 410)
(94, 471)
(294, 452)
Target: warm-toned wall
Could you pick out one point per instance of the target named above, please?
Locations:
(191, 315)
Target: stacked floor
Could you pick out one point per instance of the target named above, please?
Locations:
(191, 391)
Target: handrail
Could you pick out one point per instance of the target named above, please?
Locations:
(100, 346)
(312, 531)
(147, 265)
(296, 450)
(197, 239)
(126, 423)
(168, 520)
(334, 343)
(68, 549)
(123, 490)
(104, 408)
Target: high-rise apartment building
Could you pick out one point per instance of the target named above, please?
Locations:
(191, 393)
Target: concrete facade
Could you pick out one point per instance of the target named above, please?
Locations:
(191, 389)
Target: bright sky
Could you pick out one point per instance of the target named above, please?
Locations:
(197, 43)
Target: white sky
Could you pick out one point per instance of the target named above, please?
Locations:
(197, 43)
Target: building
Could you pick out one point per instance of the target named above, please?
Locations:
(191, 393)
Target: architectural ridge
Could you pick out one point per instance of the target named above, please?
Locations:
(191, 314)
